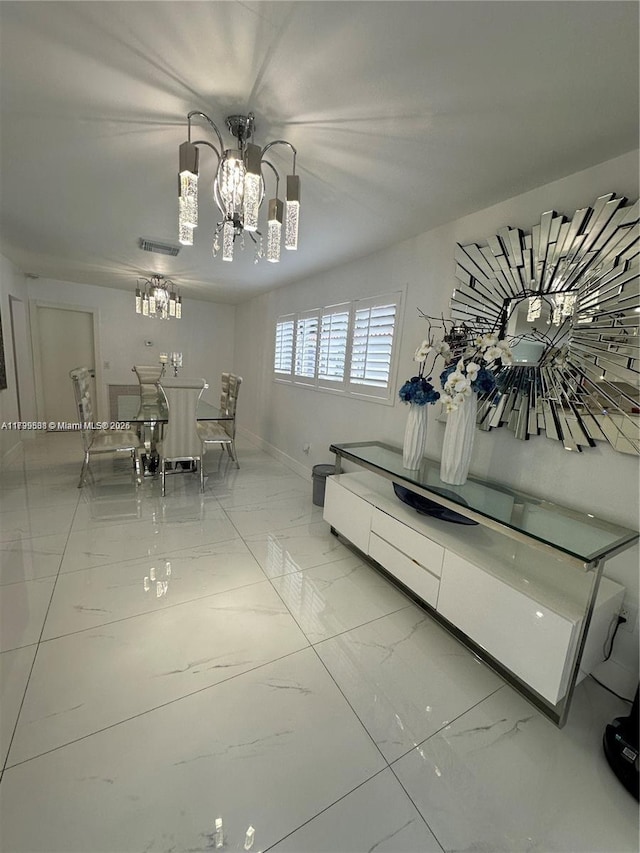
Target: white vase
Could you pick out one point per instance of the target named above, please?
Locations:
(415, 436)
(457, 447)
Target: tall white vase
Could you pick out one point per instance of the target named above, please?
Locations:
(415, 436)
(457, 447)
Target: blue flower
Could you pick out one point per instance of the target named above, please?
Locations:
(418, 390)
(484, 382)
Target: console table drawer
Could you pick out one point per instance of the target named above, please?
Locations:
(349, 514)
(534, 642)
(412, 575)
(414, 545)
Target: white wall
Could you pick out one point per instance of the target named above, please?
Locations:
(12, 283)
(284, 418)
(204, 335)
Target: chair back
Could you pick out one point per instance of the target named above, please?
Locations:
(81, 379)
(229, 394)
(148, 377)
(229, 400)
(180, 439)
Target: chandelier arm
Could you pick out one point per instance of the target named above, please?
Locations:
(206, 117)
(275, 171)
(281, 142)
(209, 145)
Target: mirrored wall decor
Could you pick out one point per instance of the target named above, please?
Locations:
(566, 295)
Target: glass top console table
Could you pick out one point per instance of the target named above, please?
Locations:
(523, 587)
(579, 538)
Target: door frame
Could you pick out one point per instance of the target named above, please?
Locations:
(22, 393)
(34, 305)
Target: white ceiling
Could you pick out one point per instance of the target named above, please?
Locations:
(405, 115)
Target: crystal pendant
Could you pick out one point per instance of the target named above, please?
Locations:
(228, 233)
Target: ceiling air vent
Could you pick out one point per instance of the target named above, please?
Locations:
(160, 248)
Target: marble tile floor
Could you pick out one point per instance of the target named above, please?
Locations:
(167, 662)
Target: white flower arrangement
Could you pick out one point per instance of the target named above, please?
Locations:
(472, 373)
(440, 348)
(418, 389)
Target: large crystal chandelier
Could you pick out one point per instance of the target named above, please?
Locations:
(238, 191)
(158, 297)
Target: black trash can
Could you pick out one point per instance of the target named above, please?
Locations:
(320, 474)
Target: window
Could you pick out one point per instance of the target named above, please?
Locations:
(346, 347)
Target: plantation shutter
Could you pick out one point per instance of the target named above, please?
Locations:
(283, 356)
(306, 346)
(372, 347)
(334, 331)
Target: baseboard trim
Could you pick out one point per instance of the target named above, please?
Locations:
(617, 676)
(287, 460)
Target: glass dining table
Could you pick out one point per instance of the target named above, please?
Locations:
(151, 417)
(132, 410)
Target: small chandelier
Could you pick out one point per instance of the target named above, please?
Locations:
(238, 191)
(158, 297)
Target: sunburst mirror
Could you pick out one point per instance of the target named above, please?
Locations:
(566, 295)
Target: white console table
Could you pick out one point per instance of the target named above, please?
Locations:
(523, 588)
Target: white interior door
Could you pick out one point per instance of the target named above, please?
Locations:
(64, 340)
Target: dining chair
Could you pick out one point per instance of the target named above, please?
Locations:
(223, 433)
(100, 441)
(180, 440)
(148, 376)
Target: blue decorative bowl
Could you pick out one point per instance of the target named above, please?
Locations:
(428, 507)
